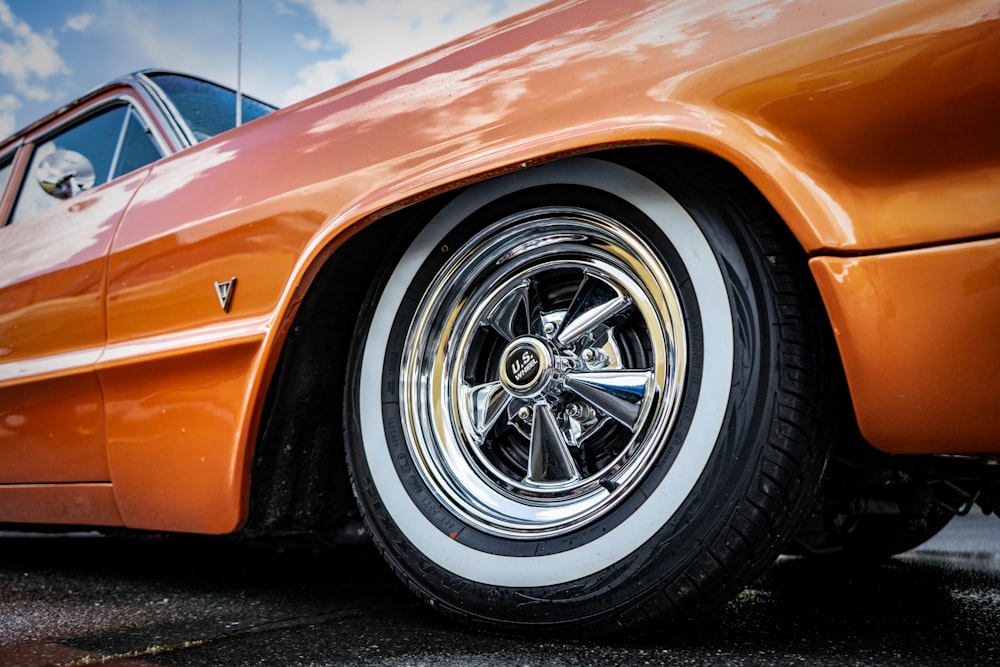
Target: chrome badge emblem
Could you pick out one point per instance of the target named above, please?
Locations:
(526, 367)
(225, 291)
(523, 368)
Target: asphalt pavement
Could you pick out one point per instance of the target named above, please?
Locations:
(84, 599)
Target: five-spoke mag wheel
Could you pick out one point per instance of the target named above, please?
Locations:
(543, 371)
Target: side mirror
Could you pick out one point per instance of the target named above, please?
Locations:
(64, 174)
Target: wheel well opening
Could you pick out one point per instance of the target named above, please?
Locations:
(299, 479)
(299, 482)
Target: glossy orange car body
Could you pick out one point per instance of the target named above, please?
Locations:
(128, 397)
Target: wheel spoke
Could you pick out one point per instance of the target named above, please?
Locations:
(512, 316)
(619, 394)
(596, 301)
(486, 403)
(549, 459)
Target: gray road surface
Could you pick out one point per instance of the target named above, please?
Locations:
(84, 599)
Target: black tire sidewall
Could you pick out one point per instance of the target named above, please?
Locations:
(678, 542)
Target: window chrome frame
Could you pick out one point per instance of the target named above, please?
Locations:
(31, 141)
(160, 118)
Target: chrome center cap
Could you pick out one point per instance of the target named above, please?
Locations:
(526, 367)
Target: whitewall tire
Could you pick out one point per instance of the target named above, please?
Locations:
(570, 400)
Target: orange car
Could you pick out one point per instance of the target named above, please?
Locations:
(607, 305)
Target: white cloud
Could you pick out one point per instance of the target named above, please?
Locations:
(7, 19)
(307, 43)
(27, 57)
(376, 33)
(35, 93)
(78, 23)
(314, 78)
(8, 121)
(153, 40)
(282, 9)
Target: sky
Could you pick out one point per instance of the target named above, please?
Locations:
(53, 51)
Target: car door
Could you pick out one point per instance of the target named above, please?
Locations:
(77, 183)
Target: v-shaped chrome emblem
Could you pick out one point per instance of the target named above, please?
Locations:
(225, 293)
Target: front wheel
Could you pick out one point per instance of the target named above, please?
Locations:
(584, 403)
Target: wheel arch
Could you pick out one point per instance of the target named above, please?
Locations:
(298, 480)
(298, 476)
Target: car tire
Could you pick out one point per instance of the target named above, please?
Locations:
(584, 404)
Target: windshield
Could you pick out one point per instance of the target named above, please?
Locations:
(206, 108)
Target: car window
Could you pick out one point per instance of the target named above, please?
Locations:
(109, 143)
(208, 109)
(138, 148)
(4, 175)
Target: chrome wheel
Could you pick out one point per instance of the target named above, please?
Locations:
(542, 372)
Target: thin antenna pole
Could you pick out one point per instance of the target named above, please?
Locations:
(239, 62)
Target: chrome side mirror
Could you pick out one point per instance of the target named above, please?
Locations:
(64, 174)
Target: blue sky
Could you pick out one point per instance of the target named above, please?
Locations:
(52, 51)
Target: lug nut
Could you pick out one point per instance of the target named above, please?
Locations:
(594, 357)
